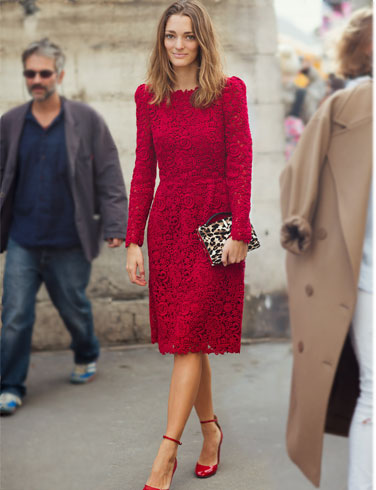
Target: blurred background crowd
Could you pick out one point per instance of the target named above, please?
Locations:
(308, 61)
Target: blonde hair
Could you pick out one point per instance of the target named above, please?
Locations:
(211, 80)
(354, 50)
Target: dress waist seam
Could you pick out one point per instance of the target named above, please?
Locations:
(187, 182)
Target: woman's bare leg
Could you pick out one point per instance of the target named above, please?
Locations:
(185, 382)
(204, 409)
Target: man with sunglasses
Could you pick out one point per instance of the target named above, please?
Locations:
(61, 193)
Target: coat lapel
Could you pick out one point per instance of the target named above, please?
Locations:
(71, 135)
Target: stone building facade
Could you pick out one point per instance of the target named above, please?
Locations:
(107, 44)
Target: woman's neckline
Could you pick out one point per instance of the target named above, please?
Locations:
(184, 91)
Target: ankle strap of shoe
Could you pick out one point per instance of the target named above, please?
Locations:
(211, 420)
(173, 440)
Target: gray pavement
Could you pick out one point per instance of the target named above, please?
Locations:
(103, 436)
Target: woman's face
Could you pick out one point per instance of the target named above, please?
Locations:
(180, 42)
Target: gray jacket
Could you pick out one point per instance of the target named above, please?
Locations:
(97, 185)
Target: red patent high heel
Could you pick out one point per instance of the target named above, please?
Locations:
(201, 470)
(148, 487)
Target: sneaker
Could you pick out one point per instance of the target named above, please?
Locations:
(9, 403)
(83, 373)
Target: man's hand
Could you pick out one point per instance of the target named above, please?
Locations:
(234, 251)
(114, 242)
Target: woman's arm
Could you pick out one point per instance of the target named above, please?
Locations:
(142, 189)
(238, 143)
(143, 180)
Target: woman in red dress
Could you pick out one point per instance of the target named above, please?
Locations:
(193, 122)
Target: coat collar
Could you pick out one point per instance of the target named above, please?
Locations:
(345, 115)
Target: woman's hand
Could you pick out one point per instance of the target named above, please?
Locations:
(135, 259)
(234, 251)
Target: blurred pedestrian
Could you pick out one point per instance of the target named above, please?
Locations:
(334, 83)
(194, 122)
(62, 190)
(326, 197)
(291, 66)
(300, 103)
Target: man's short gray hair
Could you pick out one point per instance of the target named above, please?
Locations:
(46, 48)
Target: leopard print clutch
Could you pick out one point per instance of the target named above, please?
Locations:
(214, 235)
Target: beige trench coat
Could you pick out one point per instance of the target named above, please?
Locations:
(324, 196)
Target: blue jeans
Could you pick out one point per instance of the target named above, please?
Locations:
(66, 274)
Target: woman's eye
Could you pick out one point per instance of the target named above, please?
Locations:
(169, 36)
(191, 38)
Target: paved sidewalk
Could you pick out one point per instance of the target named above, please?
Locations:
(103, 436)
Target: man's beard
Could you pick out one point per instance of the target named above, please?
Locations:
(47, 93)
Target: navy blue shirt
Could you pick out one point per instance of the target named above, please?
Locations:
(43, 208)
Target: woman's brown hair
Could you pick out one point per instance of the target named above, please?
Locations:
(210, 78)
(354, 50)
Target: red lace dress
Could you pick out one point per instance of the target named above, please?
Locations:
(204, 159)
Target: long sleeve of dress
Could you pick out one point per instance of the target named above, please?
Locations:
(238, 142)
(143, 180)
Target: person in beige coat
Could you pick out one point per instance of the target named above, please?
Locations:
(326, 198)
(325, 192)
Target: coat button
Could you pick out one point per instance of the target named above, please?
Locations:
(309, 290)
(2, 194)
(300, 346)
(322, 234)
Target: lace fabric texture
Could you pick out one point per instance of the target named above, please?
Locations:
(205, 162)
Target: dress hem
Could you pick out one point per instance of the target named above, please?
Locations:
(196, 349)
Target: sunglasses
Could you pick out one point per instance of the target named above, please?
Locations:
(42, 73)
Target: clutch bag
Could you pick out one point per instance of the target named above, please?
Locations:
(213, 235)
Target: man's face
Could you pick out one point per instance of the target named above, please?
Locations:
(41, 77)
